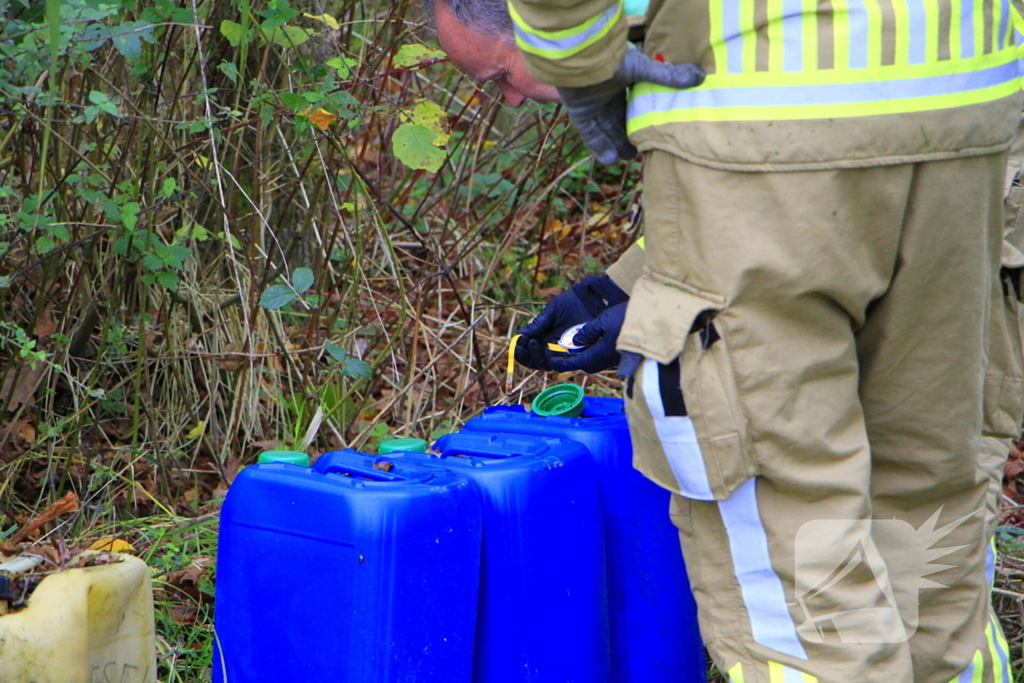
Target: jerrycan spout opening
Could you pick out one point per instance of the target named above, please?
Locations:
(562, 400)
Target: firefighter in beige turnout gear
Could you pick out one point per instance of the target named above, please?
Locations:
(811, 323)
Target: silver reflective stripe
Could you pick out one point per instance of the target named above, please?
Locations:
(967, 676)
(997, 642)
(763, 595)
(832, 93)
(990, 563)
(792, 675)
(569, 43)
(678, 440)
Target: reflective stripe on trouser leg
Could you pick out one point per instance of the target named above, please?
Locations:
(763, 595)
(992, 664)
(777, 673)
(675, 431)
(999, 650)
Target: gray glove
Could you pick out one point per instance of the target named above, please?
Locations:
(599, 111)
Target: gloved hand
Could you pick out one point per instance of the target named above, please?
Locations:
(599, 336)
(582, 303)
(599, 111)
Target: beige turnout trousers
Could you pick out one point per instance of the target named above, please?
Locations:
(815, 349)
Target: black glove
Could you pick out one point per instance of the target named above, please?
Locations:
(580, 304)
(598, 336)
(599, 111)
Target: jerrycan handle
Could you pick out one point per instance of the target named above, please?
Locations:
(360, 471)
(486, 445)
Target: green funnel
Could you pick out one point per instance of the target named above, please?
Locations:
(402, 446)
(290, 457)
(562, 399)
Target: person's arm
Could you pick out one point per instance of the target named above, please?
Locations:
(626, 271)
(568, 42)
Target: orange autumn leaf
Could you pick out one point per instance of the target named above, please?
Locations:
(321, 118)
(68, 503)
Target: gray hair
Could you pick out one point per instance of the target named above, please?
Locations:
(485, 16)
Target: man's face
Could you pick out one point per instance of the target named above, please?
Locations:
(488, 58)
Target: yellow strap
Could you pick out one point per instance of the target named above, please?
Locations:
(511, 364)
(510, 368)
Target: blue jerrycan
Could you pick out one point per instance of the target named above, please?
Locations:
(652, 613)
(347, 572)
(543, 614)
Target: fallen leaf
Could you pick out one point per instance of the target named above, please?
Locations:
(45, 327)
(25, 431)
(113, 545)
(69, 503)
(22, 393)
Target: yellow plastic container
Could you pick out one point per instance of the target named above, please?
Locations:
(80, 625)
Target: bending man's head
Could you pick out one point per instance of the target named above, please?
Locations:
(478, 37)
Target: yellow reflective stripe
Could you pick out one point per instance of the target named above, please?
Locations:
(776, 40)
(955, 11)
(994, 636)
(736, 674)
(978, 675)
(640, 243)
(979, 25)
(1005, 670)
(874, 32)
(715, 10)
(931, 42)
(841, 34)
(748, 36)
(902, 17)
(779, 673)
(564, 43)
(809, 22)
(834, 77)
(975, 671)
(825, 111)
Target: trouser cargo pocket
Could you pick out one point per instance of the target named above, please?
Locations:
(1004, 379)
(689, 432)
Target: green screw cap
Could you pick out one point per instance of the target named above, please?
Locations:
(290, 457)
(402, 445)
(565, 400)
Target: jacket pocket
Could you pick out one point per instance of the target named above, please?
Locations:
(690, 434)
(1004, 380)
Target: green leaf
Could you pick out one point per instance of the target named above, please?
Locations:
(337, 353)
(45, 244)
(229, 70)
(414, 145)
(129, 215)
(174, 255)
(432, 117)
(5, 281)
(343, 65)
(408, 55)
(169, 187)
(127, 38)
(302, 279)
(152, 262)
(169, 279)
(232, 31)
(294, 101)
(354, 367)
(286, 36)
(59, 232)
(277, 296)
